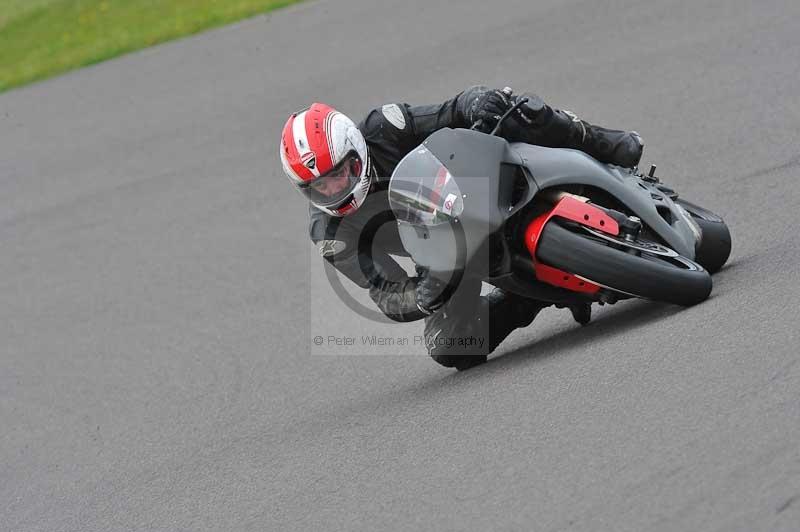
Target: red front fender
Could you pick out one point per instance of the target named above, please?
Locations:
(570, 208)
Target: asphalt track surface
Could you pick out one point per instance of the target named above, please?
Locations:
(156, 367)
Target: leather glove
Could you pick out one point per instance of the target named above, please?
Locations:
(430, 292)
(489, 107)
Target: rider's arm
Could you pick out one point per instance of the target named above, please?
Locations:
(392, 290)
(456, 112)
(396, 299)
(397, 128)
(546, 126)
(394, 296)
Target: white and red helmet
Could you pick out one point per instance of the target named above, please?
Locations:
(325, 156)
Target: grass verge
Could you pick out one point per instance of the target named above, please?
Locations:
(42, 38)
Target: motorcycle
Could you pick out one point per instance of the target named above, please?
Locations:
(552, 224)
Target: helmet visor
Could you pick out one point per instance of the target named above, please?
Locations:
(336, 184)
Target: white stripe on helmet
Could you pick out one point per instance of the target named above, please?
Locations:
(301, 139)
(328, 128)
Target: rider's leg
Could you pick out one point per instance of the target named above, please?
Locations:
(547, 126)
(470, 326)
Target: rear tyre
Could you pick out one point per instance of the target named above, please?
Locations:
(672, 279)
(715, 244)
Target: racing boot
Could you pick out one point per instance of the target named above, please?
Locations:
(581, 312)
(547, 126)
(623, 148)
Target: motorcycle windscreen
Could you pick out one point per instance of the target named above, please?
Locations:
(422, 192)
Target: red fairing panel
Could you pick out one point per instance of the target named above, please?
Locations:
(577, 211)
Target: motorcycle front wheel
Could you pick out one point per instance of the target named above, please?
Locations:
(640, 268)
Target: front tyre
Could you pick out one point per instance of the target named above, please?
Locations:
(659, 274)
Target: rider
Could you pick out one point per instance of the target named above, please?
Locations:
(344, 169)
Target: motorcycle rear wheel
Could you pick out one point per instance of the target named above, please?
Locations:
(715, 244)
(654, 276)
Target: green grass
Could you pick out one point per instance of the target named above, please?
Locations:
(42, 38)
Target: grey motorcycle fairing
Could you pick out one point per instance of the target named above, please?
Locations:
(554, 167)
(485, 169)
(476, 161)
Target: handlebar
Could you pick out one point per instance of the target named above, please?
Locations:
(507, 114)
